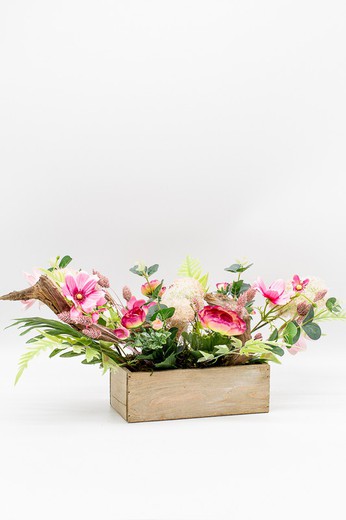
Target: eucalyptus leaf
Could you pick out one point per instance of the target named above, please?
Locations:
(152, 269)
(313, 330)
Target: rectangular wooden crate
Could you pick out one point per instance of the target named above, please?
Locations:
(182, 394)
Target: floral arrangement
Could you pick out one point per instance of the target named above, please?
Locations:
(183, 325)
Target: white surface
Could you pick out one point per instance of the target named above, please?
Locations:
(65, 453)
(149, 130)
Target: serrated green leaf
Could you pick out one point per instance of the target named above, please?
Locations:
(91, 353)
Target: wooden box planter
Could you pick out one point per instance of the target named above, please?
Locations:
(182, 394)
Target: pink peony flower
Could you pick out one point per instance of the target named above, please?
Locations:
(82, 292)
(135, 313)
(148, 288)
(222, 320)
(275, 292)
(298, 284)
(121, 333)
(300, 346)
(222, 287)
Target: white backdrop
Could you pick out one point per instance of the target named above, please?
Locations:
(151, 130)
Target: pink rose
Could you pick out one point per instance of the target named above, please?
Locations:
(135, 313)
(222, 320)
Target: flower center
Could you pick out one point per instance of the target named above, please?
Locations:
(79, 296)
(299, 287)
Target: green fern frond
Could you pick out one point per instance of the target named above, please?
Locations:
(330, 316)
(191, 268)
(33, 351)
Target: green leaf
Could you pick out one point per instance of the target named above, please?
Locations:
(274, 335)
(191, 268)
(205, 356)
(310, 315)
(278, 350)
(333, 305)
(222, 350)
(152, 269)
(290, 332)
(238, 287)
(164, 313)
(169, 362)
(237, 268)
(297, 335)
(28, 356)
(70, 353)
(135, 271)
(234, 268)
(313, 330)
(56, 351)
(65, 261)
(91, 353)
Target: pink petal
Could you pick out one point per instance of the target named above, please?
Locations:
(74, 313)
(70, 286)
(86, 282)
(278, 285)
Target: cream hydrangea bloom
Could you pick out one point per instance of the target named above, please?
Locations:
(186, 295)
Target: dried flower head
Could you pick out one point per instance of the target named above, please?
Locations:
(303, 308)
(127, 294)
(86, 321)
(250, 294)
(92, 332)
(320, 295)
(65, 317)
(103, 280)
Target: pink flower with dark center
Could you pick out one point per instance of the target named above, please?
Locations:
(224, 321)
(81, 290)
(275, 293)
(298, 284)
